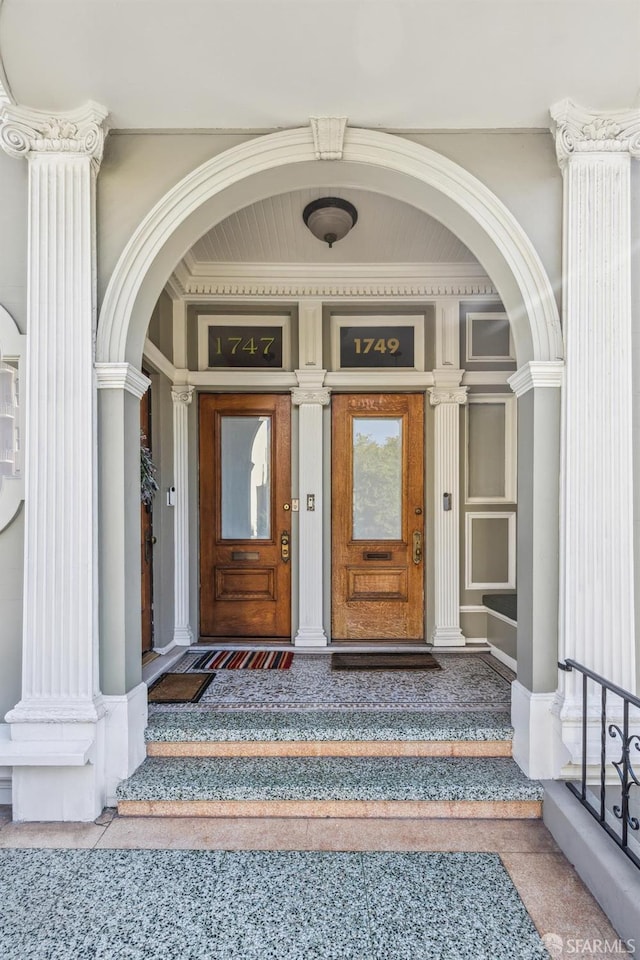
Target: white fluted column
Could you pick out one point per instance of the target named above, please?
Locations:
(310, 397)
(447, 397)
(59, 665)
(597, 574)
(60, 623)
(182, 397)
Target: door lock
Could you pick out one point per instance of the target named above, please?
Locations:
(284, 546)
(417, 547)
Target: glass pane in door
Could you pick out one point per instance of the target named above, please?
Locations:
(377, 478)
(245, 452)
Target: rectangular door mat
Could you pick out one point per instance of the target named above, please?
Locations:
(179, 687)
(244, 660)
(384, 661)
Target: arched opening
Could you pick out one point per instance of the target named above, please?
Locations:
(270, 166)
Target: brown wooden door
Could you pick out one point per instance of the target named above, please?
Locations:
(146, 538)
(245, 519)
(378, 517)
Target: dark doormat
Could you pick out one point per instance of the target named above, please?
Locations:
(179, 687)
(384, 661)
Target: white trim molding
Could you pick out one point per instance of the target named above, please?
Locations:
(536, 373)
(199, 281)
(510, 453)
(510, 582)
(121, 376)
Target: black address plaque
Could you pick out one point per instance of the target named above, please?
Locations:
(377, 346)
(245, 347)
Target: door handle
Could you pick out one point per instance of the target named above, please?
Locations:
(284, 546)
(417, 546)
(149, 540)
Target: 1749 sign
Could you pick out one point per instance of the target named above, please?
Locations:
(377, 346)
(245, 346)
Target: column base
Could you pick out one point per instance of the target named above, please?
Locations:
(537, 739)
(448, 637)
(183, 636)
(311, 637)
(66, 771)
(125, 746)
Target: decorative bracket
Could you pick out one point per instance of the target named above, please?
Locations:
(328, 137)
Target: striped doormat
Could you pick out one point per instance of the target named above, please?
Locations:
(244, 660)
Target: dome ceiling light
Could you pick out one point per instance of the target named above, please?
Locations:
(330, 218)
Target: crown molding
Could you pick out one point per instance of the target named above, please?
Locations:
(27, 132)
(578, 130)
(196, 279)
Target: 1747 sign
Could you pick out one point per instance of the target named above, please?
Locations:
(377, 346)
(245, 346)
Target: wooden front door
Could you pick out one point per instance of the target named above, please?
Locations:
(378, 517)
(245, 519)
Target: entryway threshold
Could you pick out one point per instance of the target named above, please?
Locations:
(340, 646)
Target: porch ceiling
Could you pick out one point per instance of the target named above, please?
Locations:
(408, 64)
(387, 231)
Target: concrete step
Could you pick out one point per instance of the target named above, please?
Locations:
(328, 733)
(478, 787)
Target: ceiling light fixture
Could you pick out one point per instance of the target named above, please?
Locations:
(330, 218)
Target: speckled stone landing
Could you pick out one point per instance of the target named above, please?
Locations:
(328, 733)
(330, 787)
(112, 905)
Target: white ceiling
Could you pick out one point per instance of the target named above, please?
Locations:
(399, 64)
(387, 231)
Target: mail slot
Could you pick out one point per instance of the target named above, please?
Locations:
(245, 555)
(377, 554)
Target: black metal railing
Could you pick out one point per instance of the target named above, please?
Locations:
(628, 778)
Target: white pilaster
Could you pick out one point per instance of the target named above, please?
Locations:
(310, 396)
(182, 397)
(60, 642)
(447, 397)
(448, 334)
(597, 577)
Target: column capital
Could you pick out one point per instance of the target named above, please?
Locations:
(25, 132)
(320, 395)
(578, 131)
(182, 393)
(537, 373)
(440, 395)
(121, 376)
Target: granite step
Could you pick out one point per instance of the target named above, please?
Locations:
(478, 787)
(295, 733)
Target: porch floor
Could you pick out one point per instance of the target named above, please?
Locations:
(105, 902)
(465, 683)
